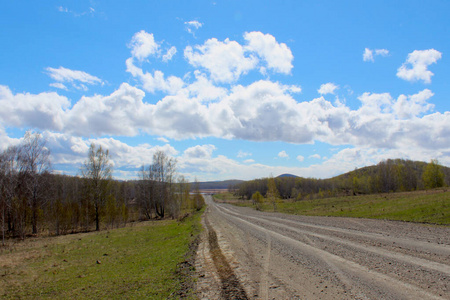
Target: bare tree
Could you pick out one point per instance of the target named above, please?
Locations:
(34, 164)
(97, 170)
(163, 169)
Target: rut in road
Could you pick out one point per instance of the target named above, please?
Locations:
(231, 287)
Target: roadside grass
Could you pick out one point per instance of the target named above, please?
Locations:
(422, 206)
(135, 262)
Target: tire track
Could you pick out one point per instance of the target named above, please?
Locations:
(231, 287)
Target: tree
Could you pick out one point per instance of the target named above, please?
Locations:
(433, 176)
(97, 170)
(163, 174)
(272, 192)
(34, 164)
(257, 199)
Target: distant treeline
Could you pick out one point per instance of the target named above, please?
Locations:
(33, 200)
(391, 175)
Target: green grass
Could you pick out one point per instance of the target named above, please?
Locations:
(423, 207)
(138, 262)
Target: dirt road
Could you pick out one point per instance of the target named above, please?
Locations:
(246, 254)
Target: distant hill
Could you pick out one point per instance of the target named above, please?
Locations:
(387, 176)
(217, 185)
(287, 175)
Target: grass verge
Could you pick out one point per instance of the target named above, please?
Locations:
(422, 207)
(138, 262)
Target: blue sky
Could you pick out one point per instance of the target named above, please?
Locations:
(231, 89)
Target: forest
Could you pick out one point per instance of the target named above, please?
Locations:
(33, 200)
(392, 175)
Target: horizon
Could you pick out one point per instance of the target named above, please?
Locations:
(229, 89)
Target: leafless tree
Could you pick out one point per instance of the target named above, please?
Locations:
(97, 170)
(34, 164)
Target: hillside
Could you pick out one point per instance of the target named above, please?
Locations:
(391, 175)
(217, 185)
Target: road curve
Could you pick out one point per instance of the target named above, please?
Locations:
(277, 256)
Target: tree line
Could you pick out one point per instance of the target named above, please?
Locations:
(34, 200)
(392, 175)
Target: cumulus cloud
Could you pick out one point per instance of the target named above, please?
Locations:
(416, 66)
(43, 111)
(316, 156)
(77, 79)
(199, 151)
(277, 55)
(369, 55)
(143, 45)
(283, 154)
(300, 158)
(261, 111)
(327, 88)
(156, 81)
(407, 107)
(202, 89)
(225, 61)
(68, 149)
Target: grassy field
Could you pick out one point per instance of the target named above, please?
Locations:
(421, 206)
(136, 262)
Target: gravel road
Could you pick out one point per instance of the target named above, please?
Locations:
(246, 254)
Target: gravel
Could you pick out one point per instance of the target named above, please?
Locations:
(278, 256)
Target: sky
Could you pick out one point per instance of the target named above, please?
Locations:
(230, 89)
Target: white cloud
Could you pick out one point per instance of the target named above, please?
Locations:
(249, 161)
(300, 158)
(225, 61)
(59, 85)
(283, 154)
(156, 81)
(382, 52)
(317, 156)
(242, 154)
(143, 45)
(43, 111)
(369, 55)
(203, 151)
(419, 60)
(78, 79)
(162, 139)
(170, 53)
(327, 88)
(407, 107)
(63, 9)
(67, 149)
(192, 26)
(278, 56)
(202, 89)
(261, 111)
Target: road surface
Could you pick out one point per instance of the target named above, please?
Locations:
(246, 254)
